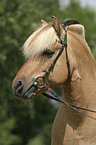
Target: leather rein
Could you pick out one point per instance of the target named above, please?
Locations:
(53, 95)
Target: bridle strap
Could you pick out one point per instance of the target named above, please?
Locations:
(67, 60)
(64, 45)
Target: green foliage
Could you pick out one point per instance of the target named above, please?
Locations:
(29, 123)
(38, 140)
(6, 137)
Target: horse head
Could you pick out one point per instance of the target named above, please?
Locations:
(41, 48)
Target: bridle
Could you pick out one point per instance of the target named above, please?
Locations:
(53, 95)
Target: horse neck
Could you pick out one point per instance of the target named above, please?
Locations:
(81, 89)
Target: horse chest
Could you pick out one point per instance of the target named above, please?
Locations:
(79, 136)
(72, 137)
(66, 132)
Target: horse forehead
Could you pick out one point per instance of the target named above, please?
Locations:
(39, 41)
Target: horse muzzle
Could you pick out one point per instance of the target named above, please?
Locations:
(30, 91)
(21, 92)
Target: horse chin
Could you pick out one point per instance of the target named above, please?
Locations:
(29, 96)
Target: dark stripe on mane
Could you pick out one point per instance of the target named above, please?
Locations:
(70, 22)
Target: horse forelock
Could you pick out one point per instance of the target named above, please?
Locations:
(42, 39)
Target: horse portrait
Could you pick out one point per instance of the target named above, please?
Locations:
(58, 55)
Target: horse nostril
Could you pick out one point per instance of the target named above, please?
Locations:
(18, 87)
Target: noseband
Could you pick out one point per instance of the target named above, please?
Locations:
(53, 95)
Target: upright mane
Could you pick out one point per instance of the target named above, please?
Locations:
(77, 31)
(39, 41)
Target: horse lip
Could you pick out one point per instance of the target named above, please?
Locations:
(29, 96)
(30, 93)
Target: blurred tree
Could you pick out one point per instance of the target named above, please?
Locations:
(30, 123)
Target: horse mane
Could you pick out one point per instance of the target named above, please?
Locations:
(76, 28)
(77, 31)
(40, 40)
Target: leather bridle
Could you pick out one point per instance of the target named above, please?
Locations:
(53, 95)
(51, 67)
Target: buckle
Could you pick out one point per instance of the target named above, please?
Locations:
(39, 82)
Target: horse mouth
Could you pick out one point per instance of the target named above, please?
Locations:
(30, 93)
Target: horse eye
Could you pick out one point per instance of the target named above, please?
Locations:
(48, 53)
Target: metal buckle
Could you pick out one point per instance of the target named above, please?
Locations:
(40, 81)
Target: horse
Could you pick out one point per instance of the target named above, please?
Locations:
(74, 70)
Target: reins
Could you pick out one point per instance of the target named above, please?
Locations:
(54, 95)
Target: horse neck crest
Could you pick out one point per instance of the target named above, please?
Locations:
(78, 28)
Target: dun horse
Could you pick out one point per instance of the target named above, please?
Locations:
(74, 70)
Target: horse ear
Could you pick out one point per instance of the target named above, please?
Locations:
(44, 23)
(57, 26)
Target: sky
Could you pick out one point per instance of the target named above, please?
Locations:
(91, 3)
(84, 3)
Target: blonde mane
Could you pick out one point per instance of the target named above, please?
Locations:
(42, 39)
